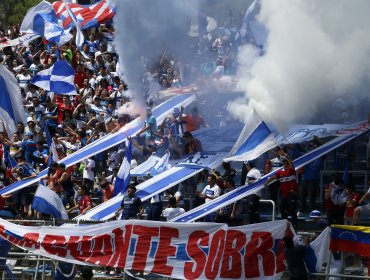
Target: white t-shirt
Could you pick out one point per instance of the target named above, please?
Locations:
(88, 172)
(171, 213)
(253, 175)
(213, 192)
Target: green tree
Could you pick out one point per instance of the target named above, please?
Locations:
(13, 13)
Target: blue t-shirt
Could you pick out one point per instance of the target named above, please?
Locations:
(131, 207)
(25, 170)
(152, 122)
(28, 146)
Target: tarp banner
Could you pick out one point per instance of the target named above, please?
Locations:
(183, 251)
(20, 40)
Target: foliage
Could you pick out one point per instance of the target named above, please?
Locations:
(13, 11)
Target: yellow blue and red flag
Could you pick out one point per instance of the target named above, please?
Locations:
(355, 239)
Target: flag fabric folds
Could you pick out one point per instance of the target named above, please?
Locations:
(255, 139)
(48, 202)
(352, 239)
(243, 191)
(153, 166)
(11, 109)
(87, 15)
(123, 175)
(43, 21)
(79, 34)
(318, 251)
(59, 78)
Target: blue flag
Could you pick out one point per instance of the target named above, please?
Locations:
(59, 78)
(42, 20)
(123, 176)
(11, 108)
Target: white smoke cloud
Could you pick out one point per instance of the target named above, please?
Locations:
(316, 65)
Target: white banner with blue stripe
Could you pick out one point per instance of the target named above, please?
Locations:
(153, 166)
(158, 184)
(123, 175)
(246, 190)
(11, 109)
(48, 202)
(109, 141)
(255, 139)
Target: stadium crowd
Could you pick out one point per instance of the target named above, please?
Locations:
(74, 121)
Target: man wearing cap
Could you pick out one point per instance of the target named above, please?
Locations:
(32, 127)
(288, 189)
(131, 205)
(253, 200)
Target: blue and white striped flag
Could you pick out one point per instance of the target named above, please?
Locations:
(48, 202)
(123, 176)
(11, 108)
(255, 139)
(42, 20)
(59, 78)
(79, 34)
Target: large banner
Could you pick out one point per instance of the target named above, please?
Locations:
(25, 40)
(183, 251)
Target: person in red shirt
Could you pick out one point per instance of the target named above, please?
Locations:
(288, 189)
(107, 190)
(194, 121)
(84, 201)
(66, 105)
(353, 199)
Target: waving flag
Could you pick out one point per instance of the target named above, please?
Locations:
(255, 139)
(351, 239)
(153, 166)
(59, 78)
(88, 16)
(243, 191)
(48, 202)
(43, 21)
(123, 175)
(11, 109)
(79, 34)
(318, 252)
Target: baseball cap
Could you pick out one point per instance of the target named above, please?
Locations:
(315, 214)
(30, 119)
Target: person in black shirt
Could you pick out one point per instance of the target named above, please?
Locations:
(131, 205)
(294, 255)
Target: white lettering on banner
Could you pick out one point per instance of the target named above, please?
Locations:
(20, 40)
(200, 159)
(185, 251)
